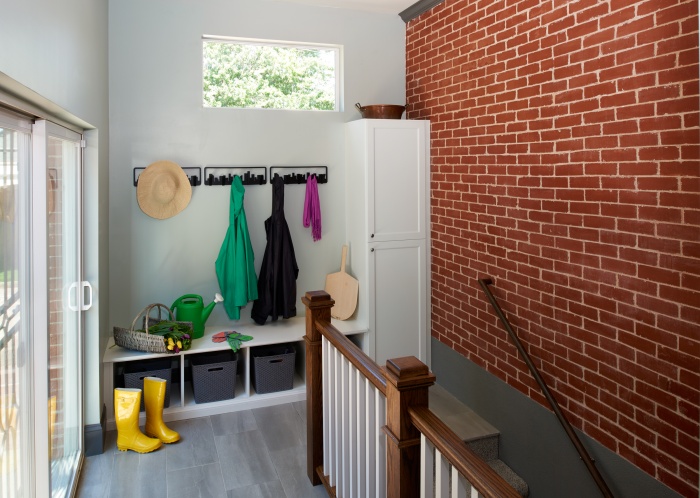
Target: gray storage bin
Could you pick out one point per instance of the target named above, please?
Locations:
(214, 376)
(136, 371)
(273, 368)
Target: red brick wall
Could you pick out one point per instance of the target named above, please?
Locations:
(565, 165)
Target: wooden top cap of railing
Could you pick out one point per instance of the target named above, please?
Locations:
(317, 299)
(409, 371)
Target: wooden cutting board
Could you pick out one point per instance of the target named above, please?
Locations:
(343, 289)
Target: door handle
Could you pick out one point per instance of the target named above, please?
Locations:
(83, 305)
(72, 301)
(72, 289)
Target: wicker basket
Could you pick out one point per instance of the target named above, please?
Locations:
(141, 340)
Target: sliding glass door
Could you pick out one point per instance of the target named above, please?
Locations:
(16, 425)
(41, 300)
(57, 327)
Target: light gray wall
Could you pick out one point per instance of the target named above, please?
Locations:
(156, 113)
(532, 441)
(58, 50)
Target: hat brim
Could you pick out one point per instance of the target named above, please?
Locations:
(163, 190)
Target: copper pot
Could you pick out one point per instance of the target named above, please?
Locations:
(384, 111)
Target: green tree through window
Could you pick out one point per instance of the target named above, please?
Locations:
(244, 75)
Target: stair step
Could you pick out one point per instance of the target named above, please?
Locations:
(517, 482)
(481, 437)
(485, 448)
(459, 417)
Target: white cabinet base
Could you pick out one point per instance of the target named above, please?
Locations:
(182, 405)
(397, 289)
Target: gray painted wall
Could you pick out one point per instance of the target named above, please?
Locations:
(59, 51)
(156, 113)
(532, 441)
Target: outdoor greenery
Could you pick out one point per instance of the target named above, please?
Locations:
(270, 77)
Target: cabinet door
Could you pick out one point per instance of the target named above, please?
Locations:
(398, 289)
(397, 180)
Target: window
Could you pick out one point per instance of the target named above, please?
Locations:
(270, 75)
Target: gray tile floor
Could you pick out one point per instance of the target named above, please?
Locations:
(251, 453)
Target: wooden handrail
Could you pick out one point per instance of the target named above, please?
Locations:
(585, 457)
(355, 355)
(476, 471)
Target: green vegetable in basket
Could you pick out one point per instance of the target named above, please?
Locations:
(177, 335)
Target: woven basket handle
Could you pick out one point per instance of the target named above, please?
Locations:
(147, 312)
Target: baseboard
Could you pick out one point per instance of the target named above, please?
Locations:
(95, 434)
(532, 442)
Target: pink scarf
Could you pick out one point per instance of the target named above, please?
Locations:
(312, 208)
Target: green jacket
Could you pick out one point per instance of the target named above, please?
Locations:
(235, 266)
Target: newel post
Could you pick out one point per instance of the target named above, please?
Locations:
(318, 308)
(408, 380)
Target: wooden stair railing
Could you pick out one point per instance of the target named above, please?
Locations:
(412, 430)
(463, 460)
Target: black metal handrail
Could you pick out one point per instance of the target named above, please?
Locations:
(587, 460)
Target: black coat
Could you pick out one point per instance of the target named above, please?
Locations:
(277, 286)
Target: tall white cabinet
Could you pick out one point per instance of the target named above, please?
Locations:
(388, 231)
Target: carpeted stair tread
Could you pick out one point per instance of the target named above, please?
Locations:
(517, 482)
(485, 448)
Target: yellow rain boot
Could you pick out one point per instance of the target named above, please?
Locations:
(127, 403)
(154, 398)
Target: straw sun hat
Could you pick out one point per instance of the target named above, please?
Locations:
(163, 190)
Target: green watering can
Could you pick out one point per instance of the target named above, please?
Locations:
(190, 308)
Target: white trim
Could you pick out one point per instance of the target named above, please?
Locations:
(270, 43)
(39, 311)
(22, 99)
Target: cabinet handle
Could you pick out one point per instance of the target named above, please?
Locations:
(371, 236)
(371, 250)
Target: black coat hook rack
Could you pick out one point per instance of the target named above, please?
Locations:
(194, 173)
(223, 175)
(296, 177)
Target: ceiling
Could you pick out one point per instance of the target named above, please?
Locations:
(387, 6)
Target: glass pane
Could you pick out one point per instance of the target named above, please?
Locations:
(247, 74)
(15, 429)
(65, 390)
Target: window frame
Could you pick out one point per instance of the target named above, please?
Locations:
(337, 49)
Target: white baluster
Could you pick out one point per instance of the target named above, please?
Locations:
(381, 445)
(325, 372)
(371, 438)
(459, 485)
(335, 418)
(442, 475)
(352, 431)
(474, 493)
(344, 487)
(362, 384)
(427, 462)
